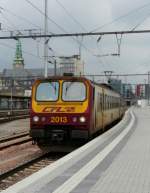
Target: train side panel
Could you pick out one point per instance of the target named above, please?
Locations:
(98, 110)
(107, 107)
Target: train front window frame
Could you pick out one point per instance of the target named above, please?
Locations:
(66, 89)
(46, 95)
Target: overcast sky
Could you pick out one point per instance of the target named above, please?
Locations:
(91, 14)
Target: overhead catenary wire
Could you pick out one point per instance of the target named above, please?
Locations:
(70, 15)
(15, 27)
(119, 40)
(118, 75)
(8, 20)
(75, 20)
(30, 2)
(75, 34)
(121, 17)
(59, 26)
(19, 17)
(20, 31)
(138, 24)
(41, 12)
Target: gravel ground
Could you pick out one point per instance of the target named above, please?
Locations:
(14, 127)
(16, 155)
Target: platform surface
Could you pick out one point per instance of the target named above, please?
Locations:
(130, 170)
(116, 162)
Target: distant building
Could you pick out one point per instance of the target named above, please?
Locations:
(19, 77)
(125, 90)
(115, 84)
(142, 91)
(71, 64)
(18, 61)
(19, 71)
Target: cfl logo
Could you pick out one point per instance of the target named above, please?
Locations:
(59, 110)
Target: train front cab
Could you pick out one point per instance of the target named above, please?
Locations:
(60, 109)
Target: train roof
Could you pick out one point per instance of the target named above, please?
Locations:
(106, 86)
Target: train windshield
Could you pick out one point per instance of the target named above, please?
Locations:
(47, 91)
(73, 91)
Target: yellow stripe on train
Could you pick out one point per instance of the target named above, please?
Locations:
(77, 108)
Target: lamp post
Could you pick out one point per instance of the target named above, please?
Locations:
(46, 40)
(55, 66)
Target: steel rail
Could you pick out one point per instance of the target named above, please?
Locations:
(15, 141)
(8, 138)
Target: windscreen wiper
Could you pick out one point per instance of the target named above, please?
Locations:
(68, 86)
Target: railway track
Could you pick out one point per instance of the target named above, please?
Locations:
(19, 158)
(8, 115)
(16, 139)
(13, 176)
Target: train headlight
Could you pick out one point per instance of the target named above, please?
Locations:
(35, 118)
(82, 119)
(74, 119)
(43, 119)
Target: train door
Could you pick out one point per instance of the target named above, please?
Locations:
(95, 101)
(99, 110)
(103, 109)
(96, 110)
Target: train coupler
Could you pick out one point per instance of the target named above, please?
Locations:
(58, 135)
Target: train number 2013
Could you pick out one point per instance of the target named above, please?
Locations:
(58, 120)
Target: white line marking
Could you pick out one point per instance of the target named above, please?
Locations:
(70, 184)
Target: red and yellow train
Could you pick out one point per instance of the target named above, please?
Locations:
(65, 108)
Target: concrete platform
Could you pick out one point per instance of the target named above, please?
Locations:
(115, 162)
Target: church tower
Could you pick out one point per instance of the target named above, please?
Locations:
(18, 61)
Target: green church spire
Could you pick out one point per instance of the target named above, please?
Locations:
(18, 61)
